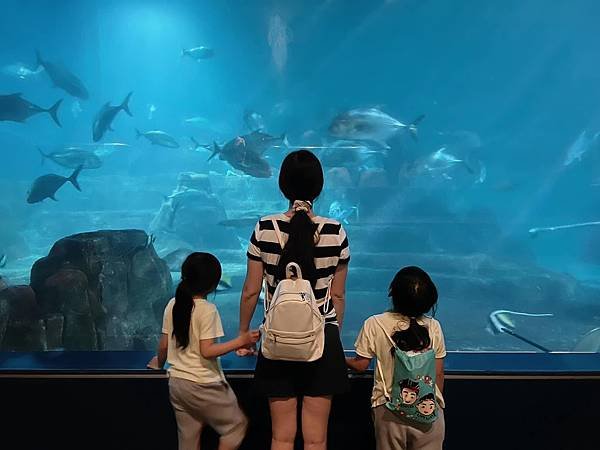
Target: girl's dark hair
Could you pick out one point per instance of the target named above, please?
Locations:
(200, 275)
(300, 178)
(413, 294)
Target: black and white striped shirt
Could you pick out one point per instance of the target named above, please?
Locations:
(331, 250)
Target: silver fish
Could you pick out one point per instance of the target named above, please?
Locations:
(370, 124)
(198, 53)
(157, 137)
(73, 157)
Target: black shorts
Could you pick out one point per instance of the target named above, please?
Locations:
(326, 376)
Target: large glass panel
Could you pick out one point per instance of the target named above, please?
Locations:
(462, 137)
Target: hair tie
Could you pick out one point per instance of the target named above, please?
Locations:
(302, 205)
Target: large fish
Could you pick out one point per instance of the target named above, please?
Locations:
(46, 186)
(73, 157)
(15, 108)
(370, 124)
(63, 78)
(3, 260)
(106, 115)
(158, 138)
(236, 153)
(198, 53)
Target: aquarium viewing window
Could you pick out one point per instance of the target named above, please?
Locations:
(463, 139)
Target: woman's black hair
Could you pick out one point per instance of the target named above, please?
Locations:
(200, 275)
(300, 178)
(413, 294)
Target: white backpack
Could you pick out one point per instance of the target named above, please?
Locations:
(294, 328)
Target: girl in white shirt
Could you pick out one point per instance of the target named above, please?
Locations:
(413, 295)
(198, 390)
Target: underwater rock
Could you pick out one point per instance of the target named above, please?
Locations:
(24, 329)
(89, 279)
(189, 217)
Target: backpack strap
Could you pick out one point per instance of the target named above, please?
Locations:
(385, 391)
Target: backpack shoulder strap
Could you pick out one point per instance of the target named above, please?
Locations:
(385, 391)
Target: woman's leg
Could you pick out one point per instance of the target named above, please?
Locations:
(315, 418)
(283, 419)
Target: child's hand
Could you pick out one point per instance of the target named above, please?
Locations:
(153, 364)
(246, 351)
(249, 337)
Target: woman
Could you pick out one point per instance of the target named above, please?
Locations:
(323, 258)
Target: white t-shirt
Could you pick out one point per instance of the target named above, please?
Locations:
(188, 363)
(373, 343)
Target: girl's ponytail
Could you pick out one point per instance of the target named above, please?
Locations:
(413, 294)
(415, 337)
(200, 275)
(300, 247)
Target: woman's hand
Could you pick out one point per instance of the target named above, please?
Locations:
(249, 338)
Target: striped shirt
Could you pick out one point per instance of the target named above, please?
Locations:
(331, 250)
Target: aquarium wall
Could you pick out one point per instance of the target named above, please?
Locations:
(462, 137)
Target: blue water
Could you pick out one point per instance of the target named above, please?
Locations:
(508, 86)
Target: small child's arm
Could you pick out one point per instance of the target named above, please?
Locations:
(210, 349)
(358, 363)
(158, 362)
(439, 374)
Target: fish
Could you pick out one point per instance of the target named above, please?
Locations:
(157, 137)
(253, 120)
(151, 111)
(350, 154)
(3, 260)
(198, 53)
(260, 142)
(439, 162)
(224, 284)
(15, 108)
(580, 147)
(46, 186)
(63, 78)
(21, 71)
(73, 157)
(196, 119)
(500, 321)
(106, 115)
(198, 146)
(240, 222)
(370, 124)
(235, 152)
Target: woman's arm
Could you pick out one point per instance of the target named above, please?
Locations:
(158, 362)
(210, 349)
(250, 293)
(439, 373)
(358, 363)
(338, 291)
